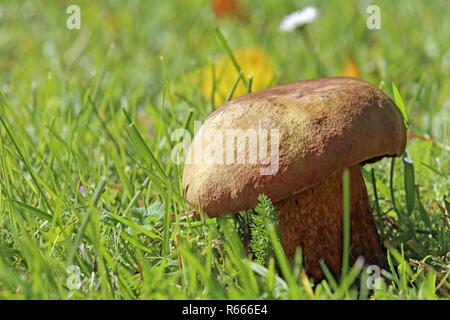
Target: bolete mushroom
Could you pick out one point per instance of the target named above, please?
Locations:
(322, 126)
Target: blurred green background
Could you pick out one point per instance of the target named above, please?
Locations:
(412, 48)
(62, 128)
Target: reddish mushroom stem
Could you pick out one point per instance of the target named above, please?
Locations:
(313, 220)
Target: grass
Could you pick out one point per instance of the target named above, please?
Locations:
(96, 107)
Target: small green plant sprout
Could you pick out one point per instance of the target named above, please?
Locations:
(265, 214)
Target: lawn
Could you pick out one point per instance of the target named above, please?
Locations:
(91, 201)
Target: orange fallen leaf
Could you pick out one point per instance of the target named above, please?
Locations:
(428, 139)
(191, 214)
(351, 68)
(224, 8)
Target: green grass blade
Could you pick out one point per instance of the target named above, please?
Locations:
(135, 226)
(34, 211)
(400, 104)
(346, 223)
(283, 262)
(409, 183)
(224, 42)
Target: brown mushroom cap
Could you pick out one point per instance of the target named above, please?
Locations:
(324, 125)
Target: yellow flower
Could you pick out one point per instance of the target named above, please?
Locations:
(253, 62)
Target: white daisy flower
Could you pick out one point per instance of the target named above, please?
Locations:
(299, 18)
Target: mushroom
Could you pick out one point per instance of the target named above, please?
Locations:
(324, 126)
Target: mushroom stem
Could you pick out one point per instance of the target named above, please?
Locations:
(313, 220)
